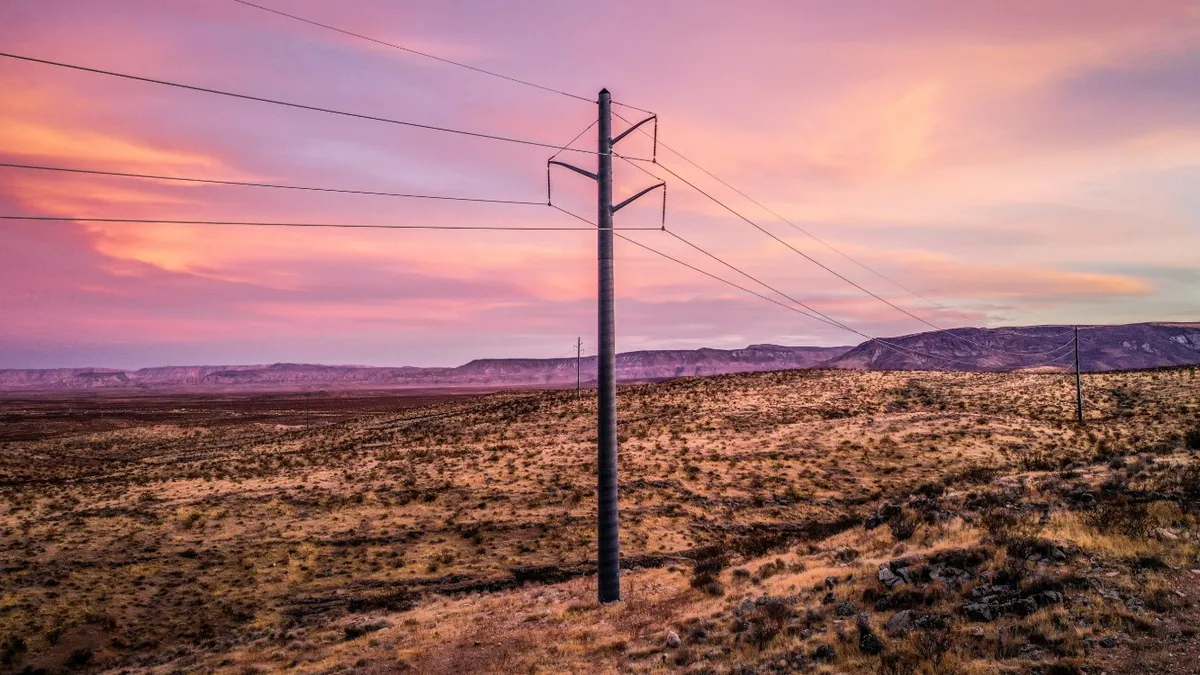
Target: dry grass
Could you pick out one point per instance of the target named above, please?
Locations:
(458, 538)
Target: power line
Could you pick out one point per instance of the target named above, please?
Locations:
(427, 55)
(819, 316)
(809, 234)
(209, 181)
(415, 51)
(722, 280)
(363, 226)
(815, 261)
(299, 106)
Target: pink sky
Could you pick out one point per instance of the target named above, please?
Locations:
(1019, 162)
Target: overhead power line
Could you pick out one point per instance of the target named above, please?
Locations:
(816, 262)
(807, 233)
(427, 55)
(362, 226)
(279, 186)
(811, 312)
(298, 106)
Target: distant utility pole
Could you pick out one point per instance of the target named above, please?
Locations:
(578, 359)
(609, 559)
(1078, 382)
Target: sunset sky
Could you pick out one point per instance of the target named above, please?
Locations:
(1018, 161)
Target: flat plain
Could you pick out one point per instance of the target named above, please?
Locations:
(795, 521)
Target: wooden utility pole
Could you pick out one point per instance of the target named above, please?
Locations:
(609, 555)
(1078, 382)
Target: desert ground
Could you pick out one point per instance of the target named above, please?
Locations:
(800, 521)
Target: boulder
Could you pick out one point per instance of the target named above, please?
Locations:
(978, 611)
(673, 640)
(888, 577)
(845, 608)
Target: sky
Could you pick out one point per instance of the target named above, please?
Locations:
(974, 162)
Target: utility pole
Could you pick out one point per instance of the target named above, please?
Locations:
(609, 557)
(1078, 382)
(578, 359)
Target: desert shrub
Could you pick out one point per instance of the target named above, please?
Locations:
(11, 648)
(1130, 519)
(898, 664)
(1006, 525)
(1038, 460)
(932, 645)
(358, 630)
(766, 621)
(706, 573)
(904, 526)
(79, 658)
(1191, 438)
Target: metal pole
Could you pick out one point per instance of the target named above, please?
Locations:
(609, 562)
(1078, 382)
(578, 358)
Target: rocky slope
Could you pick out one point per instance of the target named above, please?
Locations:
(631, 366)
(1101, 348)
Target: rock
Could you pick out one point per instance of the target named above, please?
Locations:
(889, 578)
(1163, 534)
(869, 644)
(951, 576)
(1047, 598)
(673, 640)
(900, 624)
(845, 608)
(907, 620)
(977, 632)
(979, 611)
(824, 653)
(1022, 607)
(1109, 642)
(829, 598)
(831, 583)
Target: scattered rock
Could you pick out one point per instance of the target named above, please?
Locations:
(845, 608)
(1163, 534)
(1047, 598)
(673, 640)
(1022, 607)
(888, 577)
(907, 620)
(979, 611)
(951, 576)
(1109, 642)
(831, 583)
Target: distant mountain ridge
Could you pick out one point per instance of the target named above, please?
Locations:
(631, 366)
(1040, 348)
(1101, 348)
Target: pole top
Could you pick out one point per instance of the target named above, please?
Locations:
(604, 92)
